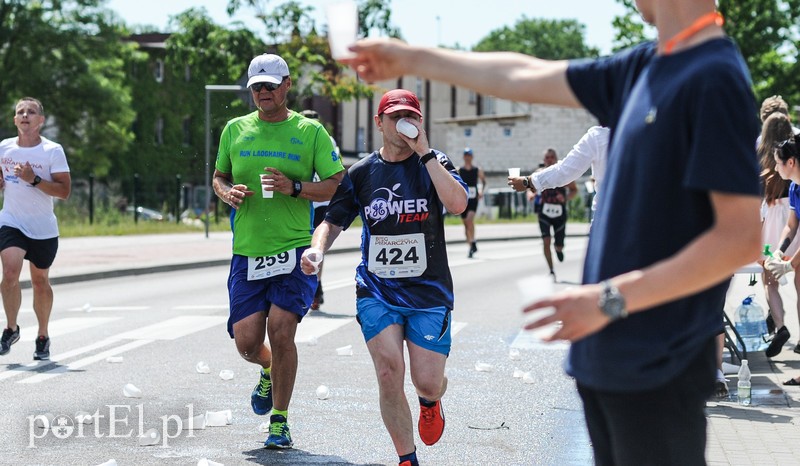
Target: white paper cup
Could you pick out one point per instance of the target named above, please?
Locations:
(314, 256)
(513, 172)
(266, 180)
(533, 289)
(345, 350)
(342, 28)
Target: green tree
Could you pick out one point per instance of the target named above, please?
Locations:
(543, 38)
(68, 54)
(766, 31)
(170, 124)
(293, 35)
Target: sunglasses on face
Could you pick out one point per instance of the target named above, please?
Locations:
(268, 86)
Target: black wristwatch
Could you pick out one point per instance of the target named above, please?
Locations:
(36, 180)
(611, 302)
(296, 188)
(427, 157)
(526, 181)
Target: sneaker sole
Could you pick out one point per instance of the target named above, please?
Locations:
(275, 446)
(41, 358)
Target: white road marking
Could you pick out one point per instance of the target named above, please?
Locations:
(108, 308)
(68, 325)
(312, 327)
(58, 370)
(201, 307)
(174, 328)
(526, 340)
(457, 327)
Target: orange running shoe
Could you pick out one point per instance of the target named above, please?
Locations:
(431, 423)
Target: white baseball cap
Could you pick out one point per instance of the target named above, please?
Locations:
(267, 68)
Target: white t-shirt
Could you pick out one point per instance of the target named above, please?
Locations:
(26, 207)
(590, 151)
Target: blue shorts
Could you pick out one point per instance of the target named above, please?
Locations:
(292, 292)
(428, 328)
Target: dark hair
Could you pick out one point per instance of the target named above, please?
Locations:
(776, 128)
(787, 149)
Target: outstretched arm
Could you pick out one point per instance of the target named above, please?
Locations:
(506, 75)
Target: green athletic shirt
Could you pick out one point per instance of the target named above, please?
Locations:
(298, 147)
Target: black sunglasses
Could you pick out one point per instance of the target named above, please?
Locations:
(268, 86)
(788, 147)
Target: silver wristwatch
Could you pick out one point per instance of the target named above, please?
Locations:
(611, 302)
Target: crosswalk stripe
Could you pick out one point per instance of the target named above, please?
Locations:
(174, 328)
(311, 328)
(67, 325)
(58, 370)
(89, 308)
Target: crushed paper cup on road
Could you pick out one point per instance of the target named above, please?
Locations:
(111, 462)
(226, 374)
(518, 373)
(483, 367)
(264, 427)
(345, 350)
(194, 423)
(208, 462)
(312, 341)
(323, 392)
(528, 378)
(131, 391)
(218, 418)
(202, 368)
(82, 417)
(513, 354)
(114, 359)
(87, 307)
(149, 438)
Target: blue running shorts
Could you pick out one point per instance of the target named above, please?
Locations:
(428, 328)
(292, 292)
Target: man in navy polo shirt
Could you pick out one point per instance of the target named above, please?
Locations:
(671, 230)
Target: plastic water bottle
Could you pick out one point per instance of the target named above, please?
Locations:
(743, 385)
(768, 253)
(751, 324)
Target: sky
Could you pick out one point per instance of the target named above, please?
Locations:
(421, 22)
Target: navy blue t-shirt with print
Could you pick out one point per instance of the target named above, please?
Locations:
(683, 125)
(403, 255)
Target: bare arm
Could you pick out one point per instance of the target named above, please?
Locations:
(788, 234)
(506, 75)
(313, 191)
(701, 264)
(324, 236)
(60, 186)
(482, 178)
(231, 194)
(572, 191)
(452, 194)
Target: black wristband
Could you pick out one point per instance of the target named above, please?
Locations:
(297, 187)
(427, 157)
(785, 245)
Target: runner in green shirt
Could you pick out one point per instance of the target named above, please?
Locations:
(264, 170)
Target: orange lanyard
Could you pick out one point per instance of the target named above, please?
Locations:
(701, 23)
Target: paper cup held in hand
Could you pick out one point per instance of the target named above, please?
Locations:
(533, 289)
(266, 181)
(513, 172)
(404, 127)
(342, 28)
(314, 256)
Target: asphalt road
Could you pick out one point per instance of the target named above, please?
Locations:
(163, 325)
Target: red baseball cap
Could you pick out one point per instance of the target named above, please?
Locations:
(399, 99)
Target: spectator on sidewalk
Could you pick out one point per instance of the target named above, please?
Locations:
(269, 294)
(476, 183)
(35, 171)
(404, 291)
(787, 164)
(776, 211)
(677, 108)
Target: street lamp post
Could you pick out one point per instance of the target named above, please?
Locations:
(209, 89)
